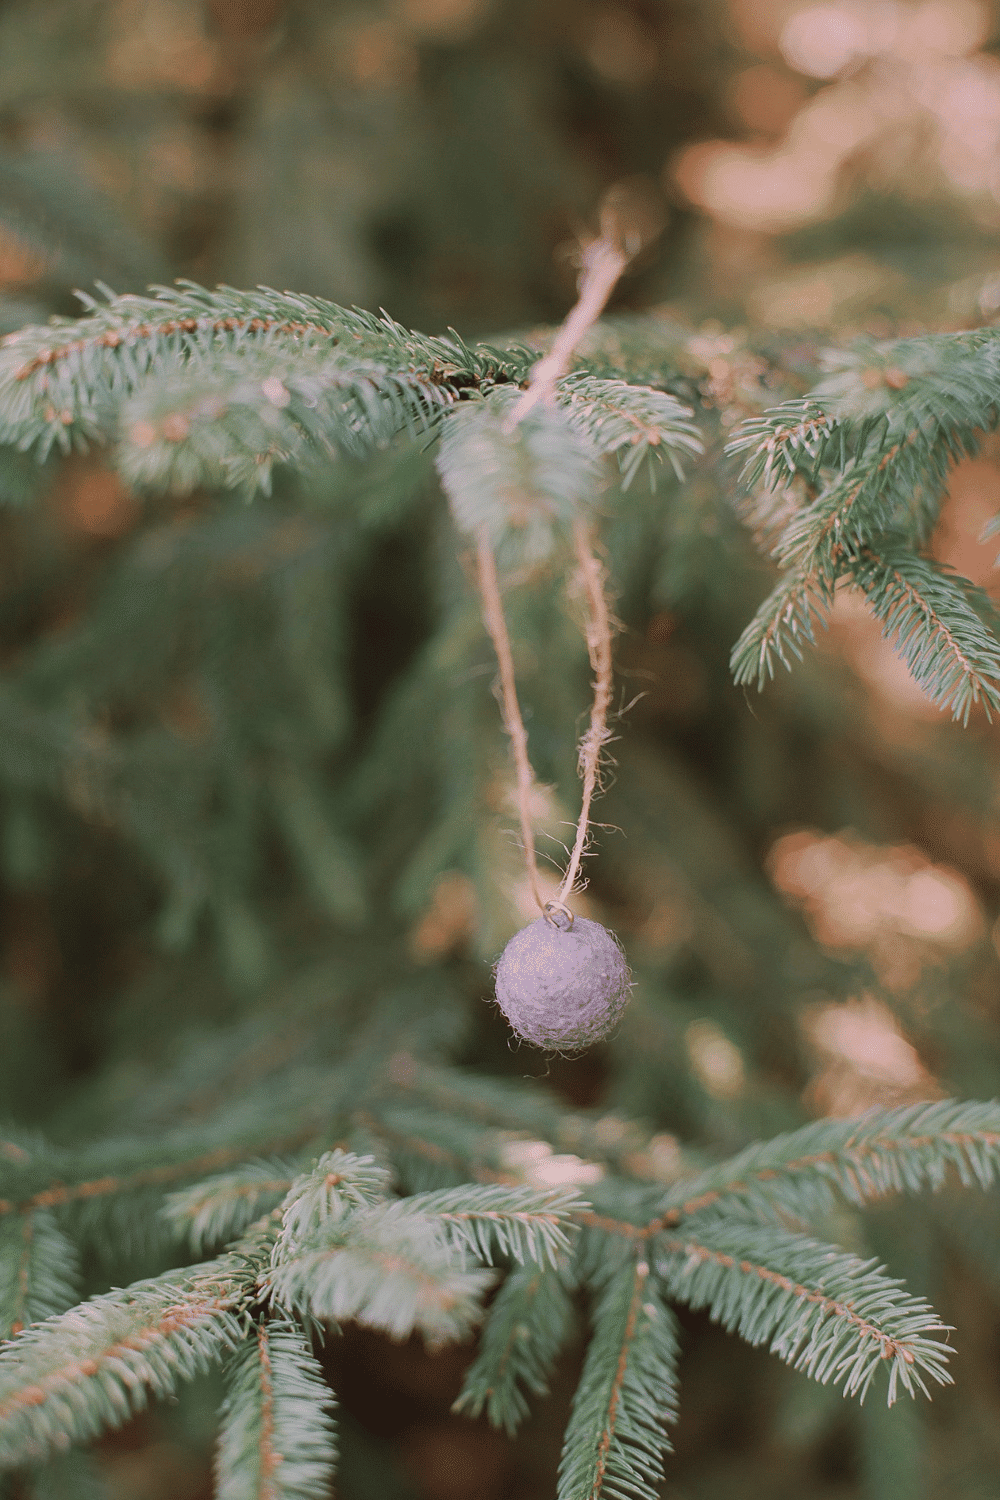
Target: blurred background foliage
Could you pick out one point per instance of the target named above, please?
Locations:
(810, 883)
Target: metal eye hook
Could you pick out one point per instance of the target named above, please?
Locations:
(558, 906)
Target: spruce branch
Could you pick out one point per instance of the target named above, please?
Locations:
(226, 422)
(944, 383)
(62, 1194)
(799, 437)
(878, 438)
(868, 497)
(115, 1187)
(526, 1327)
(785, 621)
(393, 1275)
(277, 1438)
(64, 385)
(221, 1207)
(522, 1223)
(825, 1312)
(627, 1395)
(337, 1185)
(38, 1269)
(805, 1172)
(344, 1252)
(66, 1379)
(929, 395)
(937, 622)
(632, 422)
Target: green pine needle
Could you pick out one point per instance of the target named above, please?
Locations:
(38, 1269)
(221, 1207)
(785, 622)
(277, 1436)
(68, 1378)
(868, 455)
(633, 422)
(627, 1396)
(796, 438)
(938, 624)
(65, 385)
(805, 1172)
(399, 1275)
(832, 1316)
(339, 1183)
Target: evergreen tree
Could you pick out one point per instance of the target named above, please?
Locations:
(253, 769)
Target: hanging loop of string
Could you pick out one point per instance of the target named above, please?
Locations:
(496, 624)
(603, 263)
(598, 637)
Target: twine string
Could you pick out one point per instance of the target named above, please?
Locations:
(496, 625)
(603, 263)
(597, 631)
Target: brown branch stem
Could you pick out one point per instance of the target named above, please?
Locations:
(611, 1419)
(269, 1458)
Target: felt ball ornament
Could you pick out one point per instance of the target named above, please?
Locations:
(563, 984)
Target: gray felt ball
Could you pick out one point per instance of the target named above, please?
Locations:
(563, 987)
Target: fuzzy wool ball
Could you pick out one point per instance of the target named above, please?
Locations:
(563, 987)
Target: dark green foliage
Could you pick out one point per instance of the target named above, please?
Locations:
(76, 232)
(528, 1324)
